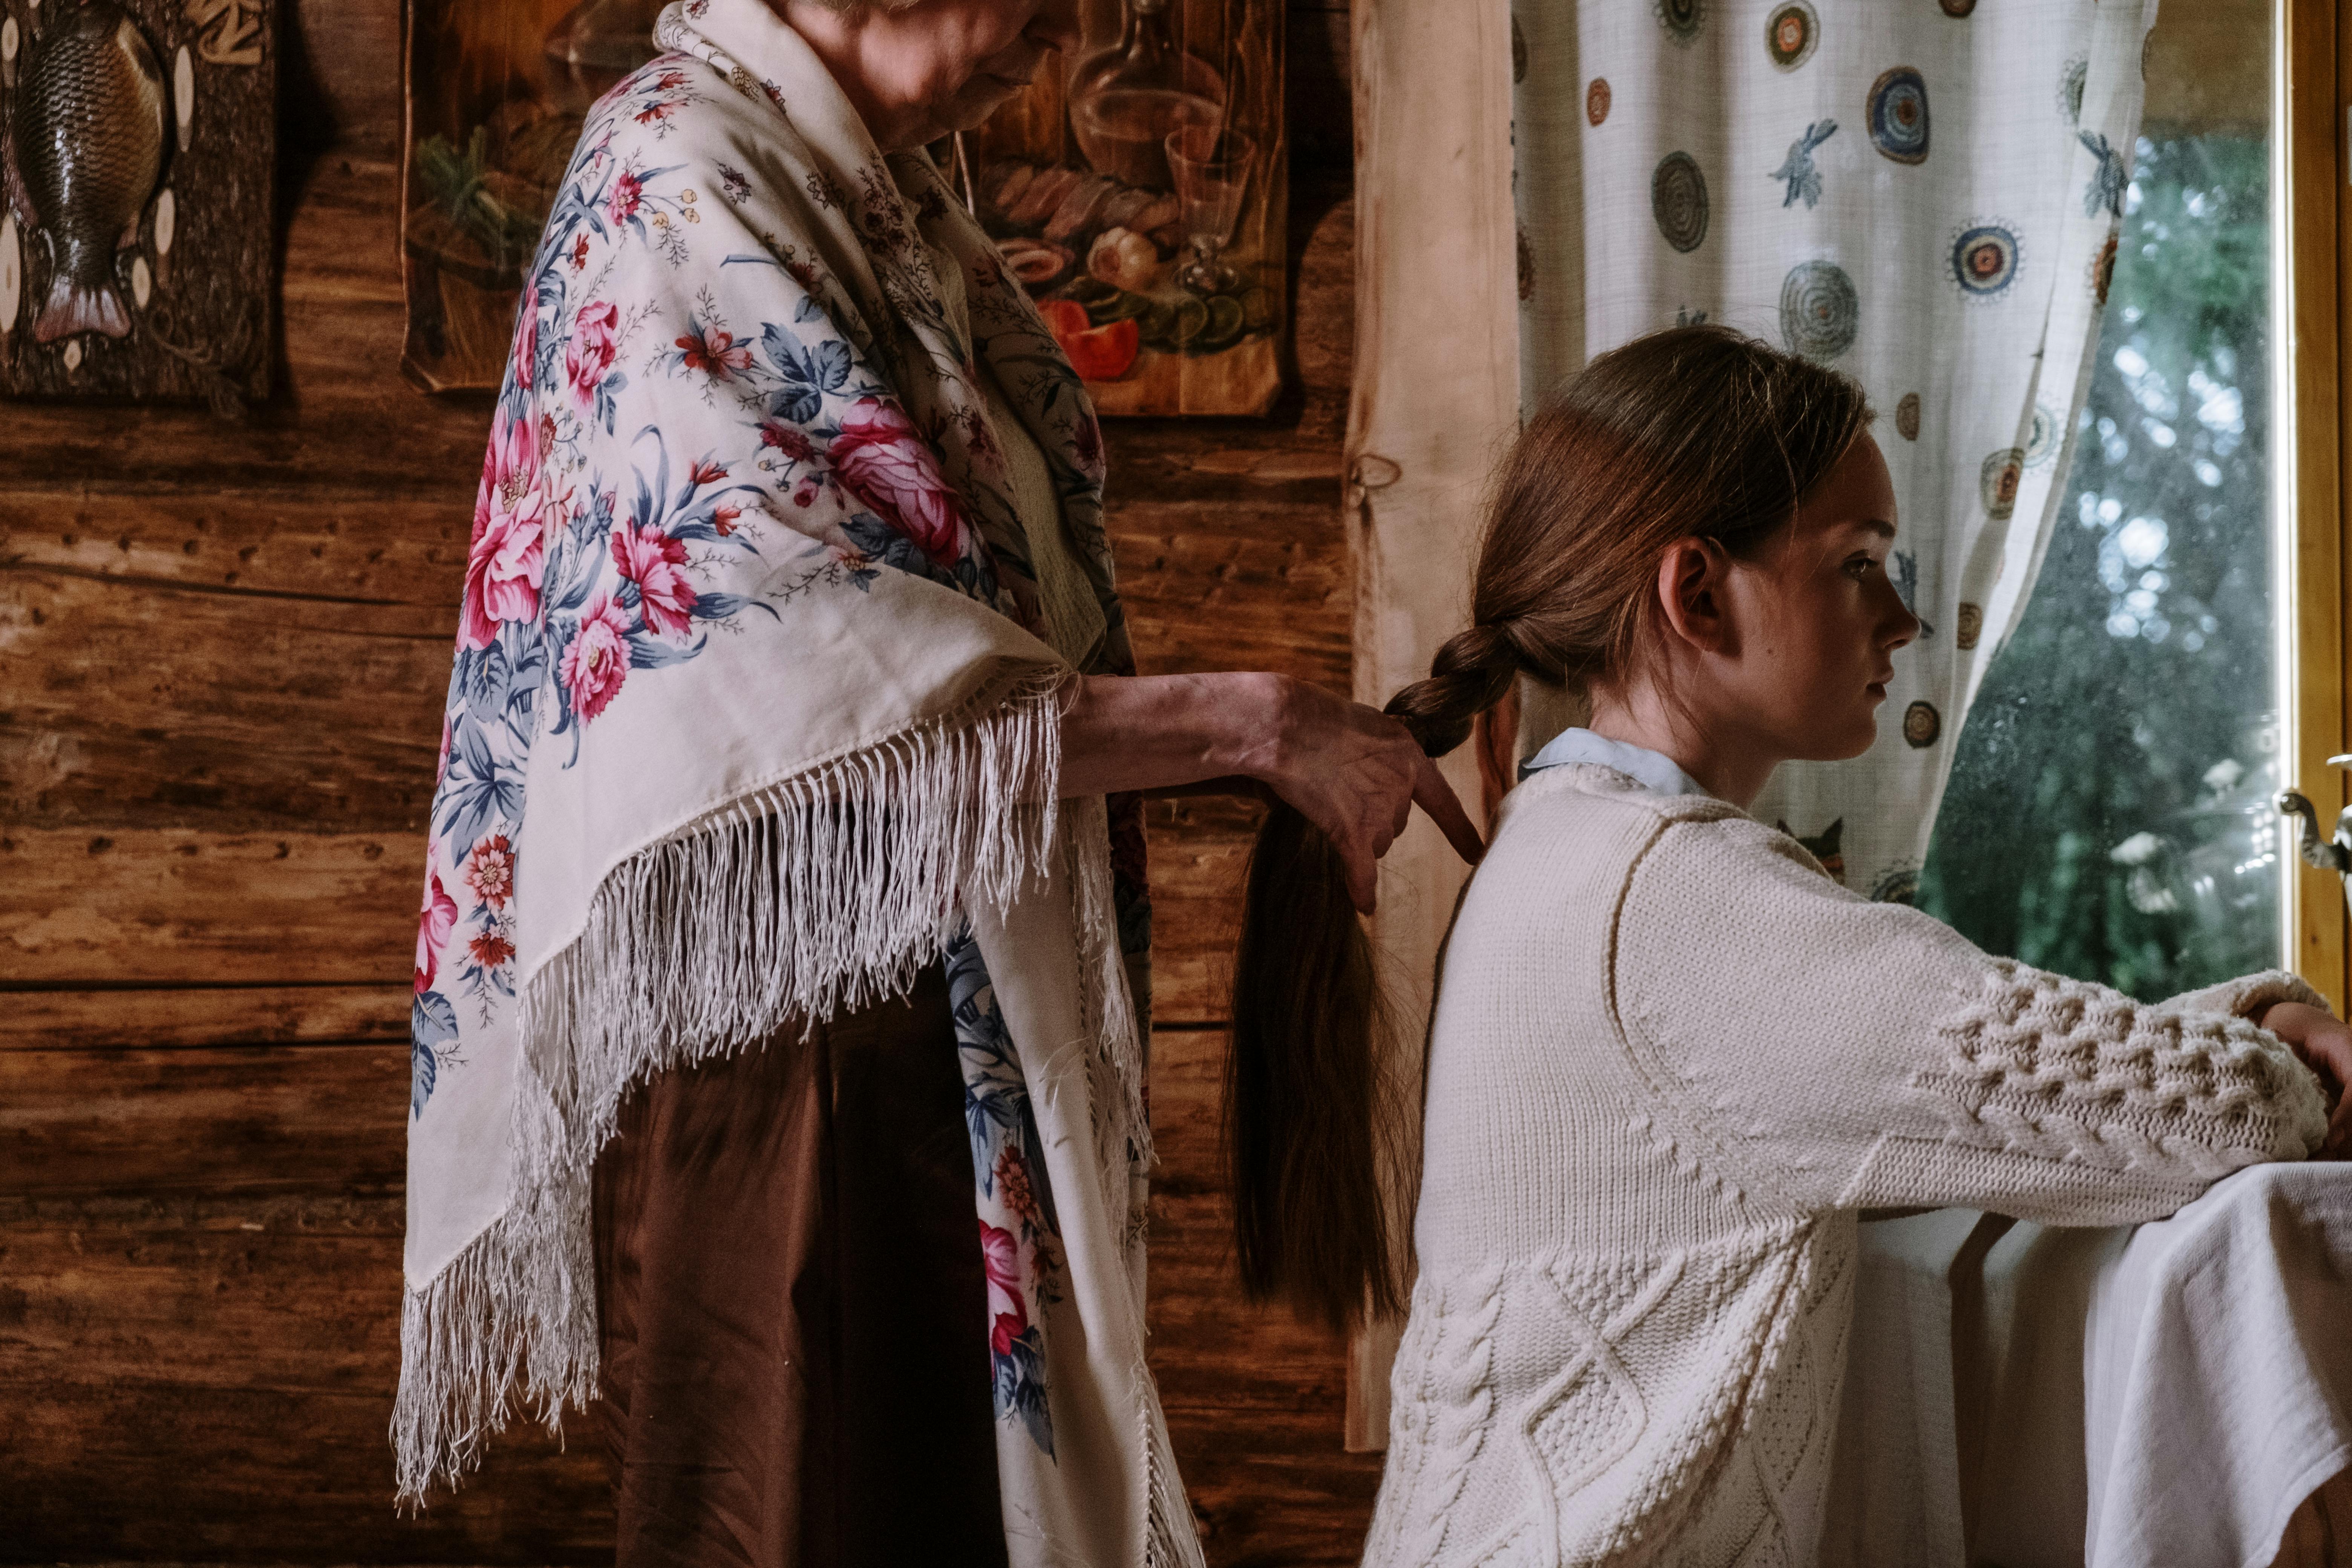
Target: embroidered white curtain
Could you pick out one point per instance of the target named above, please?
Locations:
(1923, 194)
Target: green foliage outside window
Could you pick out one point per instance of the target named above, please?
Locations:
(2108, 814)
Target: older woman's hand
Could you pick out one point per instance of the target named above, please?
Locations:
(1352, 771)
(1356, 773)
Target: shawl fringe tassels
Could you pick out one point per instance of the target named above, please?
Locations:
(822, 892)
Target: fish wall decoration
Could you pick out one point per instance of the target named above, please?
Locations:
(137, 145)
(87, 126)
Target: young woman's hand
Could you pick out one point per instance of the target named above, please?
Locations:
(2324, 1042)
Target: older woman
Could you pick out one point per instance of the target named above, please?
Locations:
(775, 919)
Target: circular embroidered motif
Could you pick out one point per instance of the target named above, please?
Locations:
(1526, 268)
(1896, 885)
(2103, 271)
(1999, 479)
(1518, 52)
(2041, 442)
(1790, 34)
(1984, 260)
(2070, 77)
(1678, 200)
(1682, 18)
(1921, 725)
(1596, 100)
(1897, 115)
(1820, 312)
(1959, 7)
(1907, 417)
(1972, 625)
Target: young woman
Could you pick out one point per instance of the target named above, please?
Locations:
(1671, 1057)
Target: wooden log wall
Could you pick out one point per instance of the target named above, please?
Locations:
(222, 650)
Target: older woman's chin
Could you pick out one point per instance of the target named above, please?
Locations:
(972, 105)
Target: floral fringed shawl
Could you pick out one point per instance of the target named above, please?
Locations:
(752, 719)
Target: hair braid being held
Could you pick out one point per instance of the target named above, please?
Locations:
(1691, 434)
(1472, 671)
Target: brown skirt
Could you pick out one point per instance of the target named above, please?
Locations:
(793, 1306)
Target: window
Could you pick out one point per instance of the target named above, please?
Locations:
(2110, 812)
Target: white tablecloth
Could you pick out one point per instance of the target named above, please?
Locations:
(2154, 1396)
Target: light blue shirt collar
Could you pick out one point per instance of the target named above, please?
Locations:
(1654, 771)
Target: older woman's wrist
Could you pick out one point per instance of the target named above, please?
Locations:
(1163, 732)
(1250, 725)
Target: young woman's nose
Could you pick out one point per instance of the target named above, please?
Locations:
(1898, 625)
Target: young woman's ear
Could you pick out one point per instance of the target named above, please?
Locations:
(1691, 594)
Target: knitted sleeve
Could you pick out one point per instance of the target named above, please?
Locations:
(1837, 1053)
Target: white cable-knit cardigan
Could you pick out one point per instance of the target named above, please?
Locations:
(1671, 1061)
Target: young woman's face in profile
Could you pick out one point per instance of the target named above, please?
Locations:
(1819, 620)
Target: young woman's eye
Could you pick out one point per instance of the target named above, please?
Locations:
(1861, 567)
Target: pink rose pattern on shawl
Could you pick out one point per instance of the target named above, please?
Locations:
(596, 660)
(434, 920)
(590, 352)
(1000, 1252)
(506, 558)
(1008, 1307)
(687, 439)
(525, 348)
(881, 460)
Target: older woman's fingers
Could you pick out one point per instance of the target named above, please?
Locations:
(1437, 798)
(1363, 879)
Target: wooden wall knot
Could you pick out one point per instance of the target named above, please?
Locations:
(1371, 471)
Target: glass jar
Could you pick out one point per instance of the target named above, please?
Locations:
(1126, 99)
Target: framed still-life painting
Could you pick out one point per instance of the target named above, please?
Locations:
(1137, 188)
(497, 90)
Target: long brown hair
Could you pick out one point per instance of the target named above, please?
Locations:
(1696, 432)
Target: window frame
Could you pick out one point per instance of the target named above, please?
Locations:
(2311, 268)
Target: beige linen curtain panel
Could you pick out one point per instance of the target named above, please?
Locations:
(1924, 194)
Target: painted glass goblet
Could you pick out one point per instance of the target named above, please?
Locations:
(1212, 169)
